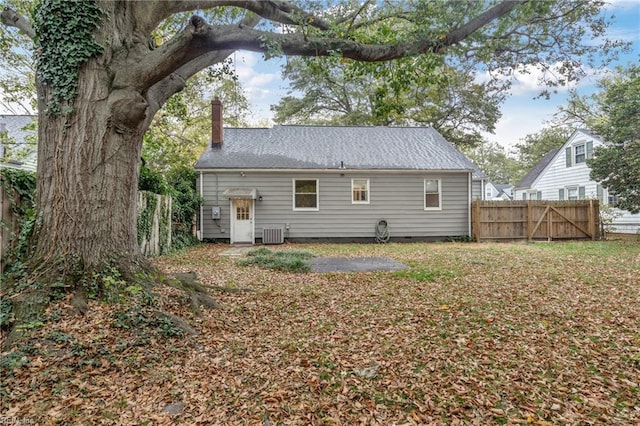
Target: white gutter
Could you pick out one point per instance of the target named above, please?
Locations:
(344, 171)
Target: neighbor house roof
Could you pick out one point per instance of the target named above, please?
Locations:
(533, 174)
(323, 147)
(17, 128)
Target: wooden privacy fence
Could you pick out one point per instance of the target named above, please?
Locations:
(535, 220)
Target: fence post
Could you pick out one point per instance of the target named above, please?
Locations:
(529, 221)
(477, 233)
(592, 228)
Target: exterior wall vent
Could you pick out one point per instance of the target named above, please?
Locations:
(272, 236)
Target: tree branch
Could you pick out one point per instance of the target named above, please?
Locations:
(159, 93)
(11, 18)
(480, 21)
(199, 38)
(281, 11)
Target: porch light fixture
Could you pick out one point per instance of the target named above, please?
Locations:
(259, 197)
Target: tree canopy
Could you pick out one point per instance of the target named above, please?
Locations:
(614, 114)
(408, 92)
(534, 146)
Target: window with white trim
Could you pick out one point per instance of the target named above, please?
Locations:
(360, 191)
(488, 193)
(432, 194)
(572, 193)
(534, 195)
(580, 154)
(305, 194)
(612, 197)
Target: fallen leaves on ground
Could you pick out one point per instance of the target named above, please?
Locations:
(533, 334)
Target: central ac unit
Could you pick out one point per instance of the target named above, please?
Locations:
(272, 236)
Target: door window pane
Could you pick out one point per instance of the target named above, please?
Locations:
(242, 209)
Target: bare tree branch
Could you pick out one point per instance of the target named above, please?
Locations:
(13, 19)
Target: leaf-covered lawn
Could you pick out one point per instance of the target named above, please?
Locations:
(471, 334)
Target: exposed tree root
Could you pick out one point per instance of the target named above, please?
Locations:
(132, 286)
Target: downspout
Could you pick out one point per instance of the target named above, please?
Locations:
(201, 193)
(470, 185)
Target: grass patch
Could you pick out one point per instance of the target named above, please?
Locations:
(423, 274)
(286, 260)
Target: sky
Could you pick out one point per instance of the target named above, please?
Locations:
(522, 114)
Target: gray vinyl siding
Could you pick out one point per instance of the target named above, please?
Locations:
(396, 197)
(476, 189)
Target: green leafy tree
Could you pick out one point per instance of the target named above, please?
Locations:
(181, 130)
(186, 202)
(534, 146)
(494, 161)
(614, 114)
(333, 91)
(105, 68)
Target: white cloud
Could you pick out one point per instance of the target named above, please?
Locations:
(533, 79)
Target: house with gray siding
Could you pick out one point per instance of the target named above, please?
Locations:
(312, 183)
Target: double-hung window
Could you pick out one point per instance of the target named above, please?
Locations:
(534, 195)
(432, 194)
(580, 154)
(572, 193)
(360, 191)
(305, 194)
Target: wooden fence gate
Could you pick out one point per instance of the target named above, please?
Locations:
(535, 220)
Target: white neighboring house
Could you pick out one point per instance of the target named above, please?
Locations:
(497, 191)
(15, 128)
(563, 174)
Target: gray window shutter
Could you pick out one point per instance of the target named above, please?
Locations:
(561, 194)
(524, 195)
(567, 153)
(581, 192)
(589, 149)
(600, 192)
(539, 195)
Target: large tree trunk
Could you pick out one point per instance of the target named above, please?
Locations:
(88, 175)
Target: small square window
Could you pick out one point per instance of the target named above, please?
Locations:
(360, 191)
(432, 194)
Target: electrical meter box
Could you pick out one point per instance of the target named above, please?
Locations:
(215, 212)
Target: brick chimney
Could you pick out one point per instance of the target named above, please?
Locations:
(216, 123)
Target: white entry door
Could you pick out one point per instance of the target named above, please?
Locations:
(241, 220)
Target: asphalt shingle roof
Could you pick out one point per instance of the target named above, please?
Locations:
(530, 177)
(18, 130)
(15, 126)
(324, 147)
